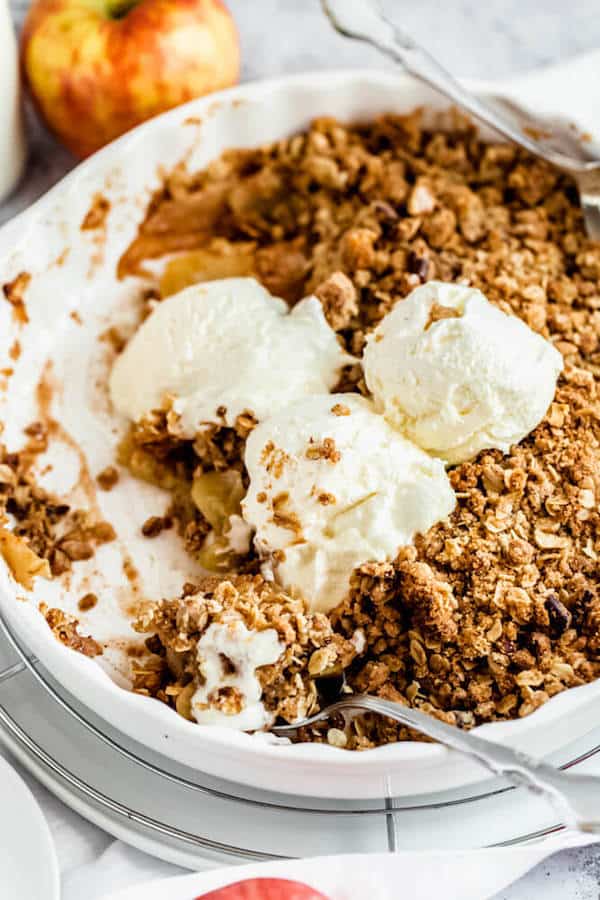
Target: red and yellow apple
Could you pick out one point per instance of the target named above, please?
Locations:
(265, 889)
(96, 68)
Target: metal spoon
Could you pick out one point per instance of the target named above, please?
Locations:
(576, 797)
(364, 21)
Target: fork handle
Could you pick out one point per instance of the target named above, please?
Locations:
(364, 20)
(577, 797)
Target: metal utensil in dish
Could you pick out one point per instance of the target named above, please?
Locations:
(575, 797)
(363, 20)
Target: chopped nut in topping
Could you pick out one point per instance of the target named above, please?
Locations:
(274, 459)
(339, 299)
(439, 312)
(325, 450)
(108, 478)
(336, 737)
(421, 199)
(154, 525)
(65, 629)
(325, 498)
(284, 517)
(87, 602)
(340, 410)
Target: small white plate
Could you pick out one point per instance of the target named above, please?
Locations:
(28, 864)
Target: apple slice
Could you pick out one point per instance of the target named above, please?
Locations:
(265, 889)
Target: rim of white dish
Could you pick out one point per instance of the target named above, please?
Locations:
(331, 760)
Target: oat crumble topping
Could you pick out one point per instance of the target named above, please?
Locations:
(290, 686)
(48, 536)
(286, 518)
(65, 629)
(490, 613)
(339, 299)
(497, 609)
(154, 451)
(274, 459)
(325, 450)
(41, 536)
(155, 525)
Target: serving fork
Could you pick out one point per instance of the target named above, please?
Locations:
(576, 798)
(553, 140)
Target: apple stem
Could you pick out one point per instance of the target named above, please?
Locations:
(118, 9)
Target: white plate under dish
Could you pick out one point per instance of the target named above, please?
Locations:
(72, 297)
(24, 836)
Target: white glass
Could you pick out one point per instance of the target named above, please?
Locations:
(12, 133)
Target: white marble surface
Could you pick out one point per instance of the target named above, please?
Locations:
(496, 38)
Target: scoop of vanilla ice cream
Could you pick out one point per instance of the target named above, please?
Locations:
(226, 345)
(333, 485)
(229, 654)
(456, 375)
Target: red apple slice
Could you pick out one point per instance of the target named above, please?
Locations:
(265, 889)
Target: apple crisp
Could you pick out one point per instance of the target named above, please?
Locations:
(492, 611)
(497, 609)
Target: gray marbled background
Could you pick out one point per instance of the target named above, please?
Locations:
(489, 39)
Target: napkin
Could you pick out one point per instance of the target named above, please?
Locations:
(465, 875)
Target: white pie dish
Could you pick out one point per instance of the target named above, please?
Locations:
(74, 271)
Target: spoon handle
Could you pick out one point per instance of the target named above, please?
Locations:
(576, 797)
(364, 20)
